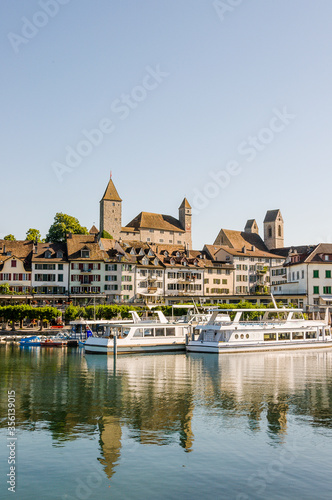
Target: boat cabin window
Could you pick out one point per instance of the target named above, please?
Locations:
(170, 332)
(284, 336)
(125, 332)
(270, 336)
(148, 332)
(138, 332)
(159, 332)
(298, 335)
(310, 335)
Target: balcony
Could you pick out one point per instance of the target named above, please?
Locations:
(86, 270)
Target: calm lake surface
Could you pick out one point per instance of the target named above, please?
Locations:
(242, 426)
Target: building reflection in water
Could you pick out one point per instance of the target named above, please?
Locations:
(152, 399)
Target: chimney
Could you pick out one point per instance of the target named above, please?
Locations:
(244, 249)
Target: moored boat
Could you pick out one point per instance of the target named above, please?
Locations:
(279, 328)
(140, 336)
(31, 341)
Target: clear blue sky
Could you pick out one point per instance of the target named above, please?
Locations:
(228, 75)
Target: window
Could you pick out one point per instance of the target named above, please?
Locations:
(170, 332)
(316, 274)
(302, 275)
(316, 290)
(85, 254)
(279, 231)
(111, 267)
(60, 267)
(224, 282)
(111, 277)
(151, 230)
(60, 277)
(159, 332)
(327, 290)
(269, 232)
(327, 274)
(179, 242)
(14, 263)
(162, 232)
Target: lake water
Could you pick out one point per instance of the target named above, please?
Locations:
(189, 426)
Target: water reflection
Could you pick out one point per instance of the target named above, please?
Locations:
(154, 399)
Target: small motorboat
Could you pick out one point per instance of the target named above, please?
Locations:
(31, 341)
(59, 340)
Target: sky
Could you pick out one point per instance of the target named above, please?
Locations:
(226, 102)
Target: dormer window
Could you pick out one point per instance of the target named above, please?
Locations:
(59, 254)
(172, 262)
(145, 261)
(85, 253)
(150, 253)
(178, 254)
(184, 263)
(156, 262)
(141, 252)
(48, 254)
(14, 263)
(166, 253)
(132, 251)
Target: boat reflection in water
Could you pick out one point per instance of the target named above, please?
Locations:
(152, 400)
(159, 394)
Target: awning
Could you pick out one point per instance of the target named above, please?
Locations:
(326, 298)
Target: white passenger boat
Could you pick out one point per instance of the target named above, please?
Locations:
(140, 336)
(279, 328)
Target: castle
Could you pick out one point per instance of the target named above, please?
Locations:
(146, 227)
(159, 228)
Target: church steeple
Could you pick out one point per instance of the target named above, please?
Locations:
(185, 219)
(110, 211)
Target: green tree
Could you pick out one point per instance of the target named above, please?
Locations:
(10, 237)
(5, 289)
(62, 225)
(46, 314)
(33, 235)
(106, 235)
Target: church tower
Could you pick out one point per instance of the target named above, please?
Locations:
(273, 229)
(110, 211)
(185, 220)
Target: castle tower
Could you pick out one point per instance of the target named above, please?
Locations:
(185, 220)
(110, 211)
(251, 226)
(273, 229)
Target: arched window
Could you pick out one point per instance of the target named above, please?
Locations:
(279, 231)
(269, 232)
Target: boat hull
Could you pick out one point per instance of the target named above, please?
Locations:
(108, 348)
(223, 348)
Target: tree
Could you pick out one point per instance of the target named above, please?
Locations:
(33, 235)
(106, 235)
(10, 237)
(62, 225)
